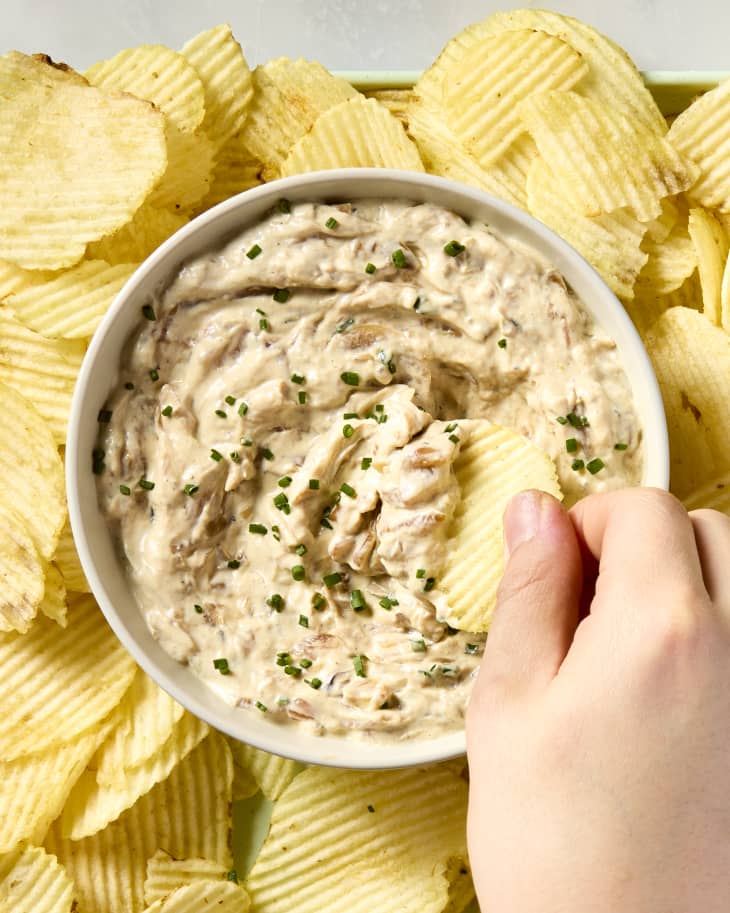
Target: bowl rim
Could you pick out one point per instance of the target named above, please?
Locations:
(180, 682)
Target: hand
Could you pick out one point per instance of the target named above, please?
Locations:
(599, 727)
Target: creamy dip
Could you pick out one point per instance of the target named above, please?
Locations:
(276, 462)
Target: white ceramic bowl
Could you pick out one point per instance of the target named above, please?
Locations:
(99, 374)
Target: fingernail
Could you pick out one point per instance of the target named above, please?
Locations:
(522, 519)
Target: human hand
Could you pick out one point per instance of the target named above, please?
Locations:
(599, 744)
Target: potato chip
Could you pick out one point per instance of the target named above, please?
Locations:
(714, 495)
(244, 783)
(91, 806)
(136, 240)
(188, 815)
(95, 156)
(72, 304)
(357, 133)
(59, 682)
(272, 773)
(67, 561)
(647, 306)
(481, 90)
(712, 245)
(725, 297)
(702, 133)
(165, 874)
(13, 278)
(691, 359)
(218, 59)
(397, 101)
(493, 465)
(42, 370)
(34, 787)
(223, 896)
(190, 167)
(658, 229)
(461, 886)
(289, 96)
(671, 261)
(156, 73)
(601, 159)
(611, 243)
(149, 717)
(53, 604)
(31, 471)
(22, 579)
(32, 881)
(236, 170)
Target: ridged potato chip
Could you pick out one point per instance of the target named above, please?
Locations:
(33, 484)
(357, 133)
(362, 839)
(66, 559)
(482, 89)
(32, 881)
(611, 243)
(396, 101)
(43, 370)
(461, 886)
(72, 304)
(53, 605)
(236, 169)
(22, 576)
(601, 159)
(189, 171)
(271, 773)
(34, 787)
(218, 59)
(136, 240)
(289, 96)
(148, 718)
(165, 874)
(702, 133)
(156, 73)
(714, 494)
(725, 297)
(671, 261)
(691, 359)
(493, 465)
(658, 229)
(188, 815)
(13, 278)
(222, 896)
(647, 306)
(56, 682)
(91, 806)
(712, 245)
(94, 155)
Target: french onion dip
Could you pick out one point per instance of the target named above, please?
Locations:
(276, 461)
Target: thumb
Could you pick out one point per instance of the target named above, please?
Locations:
(538, 599)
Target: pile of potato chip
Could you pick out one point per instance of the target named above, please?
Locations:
(114, 799)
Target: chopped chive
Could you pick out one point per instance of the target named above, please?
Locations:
(302, 397)
(298, 572)
(216, 455)
(284, 205)
(318, 601)
(222, 666)
(345, 325)
(398, 258)
(347, 431)
(429, 584)
(471, 649)
(125, 489)
(562, 420)
(595, 465)
(620, 446)
(421, 573)
(387, 603)
(454, 438)
(301, 549)
(370, 268)
(129, 385)
(148, 312)
(253, 252)
(267, 454)
(284, 482)
(263, 708)
(97, 461)
(417, 304)
(221, 414)
(235, 456)
(331, 223)
(247, 442)
(198, 608)
(314, 484)
(154, 375)
(452, 426)
(502, 343)
(315, 683)
(325, 522)
(347, 415)
(275, 532)
(304, 621)
(283, 659)
(358, 661)
(577, 465)
(104, 416)
(292, 670)
(191, 488)
(348, 490)
(298, 379)
(167, 411)
(282, 701)
(577, 421)
(379, 407)
(571, 445)
(243, 409)
(351, 378)
(281, 295)
(305, 663)
(276, 601)
(454, 248)
(258, 528)
(146, 484)
(231, 400)
(234, 564)
(357, 600)
(281, 502)
(419, 646)
(332, 579)
(263, 324)
(366, 462)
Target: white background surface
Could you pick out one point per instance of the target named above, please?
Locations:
(354, 34)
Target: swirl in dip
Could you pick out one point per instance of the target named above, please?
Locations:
(277, 464)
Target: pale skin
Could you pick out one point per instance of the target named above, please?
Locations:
(599, 727)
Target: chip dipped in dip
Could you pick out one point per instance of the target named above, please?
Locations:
(276, 461)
